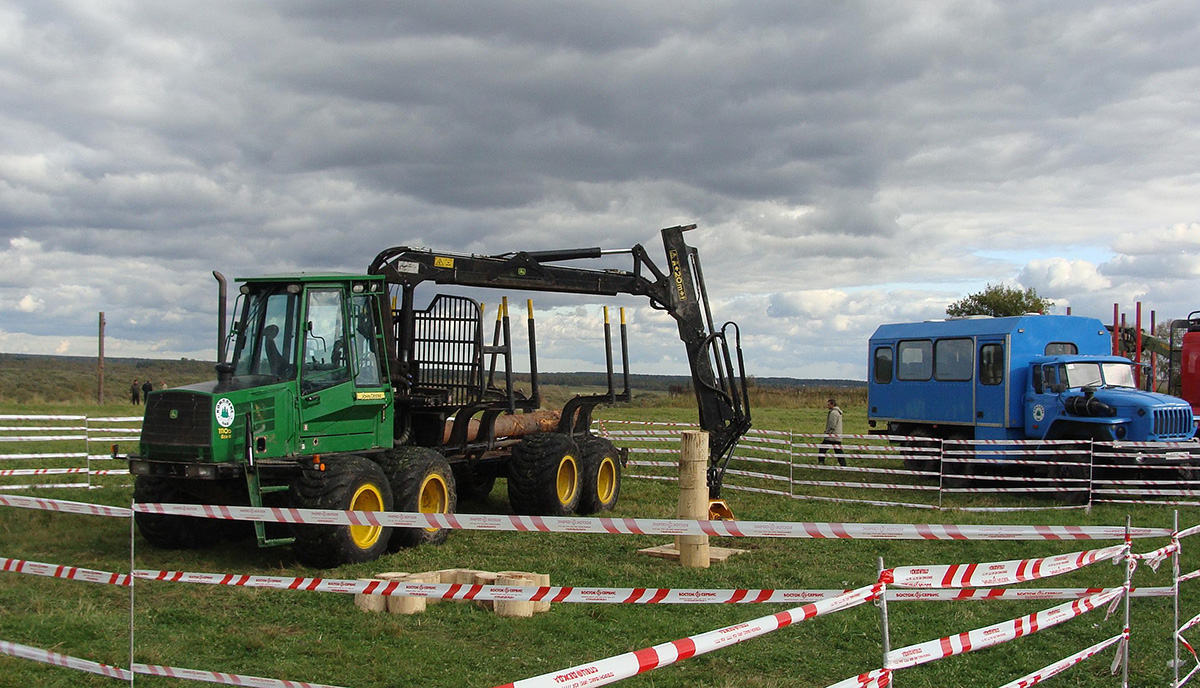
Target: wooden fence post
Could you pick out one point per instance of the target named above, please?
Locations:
(693, 497)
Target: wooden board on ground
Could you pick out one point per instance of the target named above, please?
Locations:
(671, 552)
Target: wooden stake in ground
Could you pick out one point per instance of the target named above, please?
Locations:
(693, 497)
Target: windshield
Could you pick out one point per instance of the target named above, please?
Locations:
(1098, 374)
(266, 335)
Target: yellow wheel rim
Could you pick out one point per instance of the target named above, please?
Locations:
(567, 481)
(366, 498)
(606, 480)
(434, 497)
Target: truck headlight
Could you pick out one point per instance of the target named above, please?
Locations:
(1120, 431)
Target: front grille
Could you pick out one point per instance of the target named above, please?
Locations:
(1173, 423)
(191, 425)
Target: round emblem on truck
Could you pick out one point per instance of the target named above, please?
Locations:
(224, 412)
(1039, 412)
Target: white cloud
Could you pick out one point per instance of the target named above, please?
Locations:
(848, 164)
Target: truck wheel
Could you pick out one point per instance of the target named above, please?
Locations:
(421, 482)
(600, 475)
(472, 486)
(543, 475)
(348, 483)
(172, 532)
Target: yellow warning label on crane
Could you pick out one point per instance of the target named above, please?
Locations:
(441, 262)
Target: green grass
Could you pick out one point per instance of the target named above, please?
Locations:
(323, 638)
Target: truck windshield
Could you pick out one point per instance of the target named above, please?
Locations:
(265, 339)
(1099, 374)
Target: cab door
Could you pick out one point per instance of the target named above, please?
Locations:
(344, 390)
(991, 383)
(326, 389)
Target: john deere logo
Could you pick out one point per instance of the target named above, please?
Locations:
(224, 412)
(174, 414)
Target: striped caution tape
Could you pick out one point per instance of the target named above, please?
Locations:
(64, 506)
(879, 678)
(644, 526)
(978, 639)
(563, 594)
(47, 657)
(499, 592)
(222, 678)
(1066, 663)
(998, 573)
(623, 666)
(59, 571)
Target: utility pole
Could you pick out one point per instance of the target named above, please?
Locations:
(100, 364)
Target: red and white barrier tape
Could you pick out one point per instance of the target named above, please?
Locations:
(222, 678)
(46, 657)
(1000, 573)
(65, 506)
(1155, 558)
(646, 526)
(59, 571)
(623, 666)
(565, 594)
(981, 638)
(1009, 594)
(879, 678)
(1065, 663)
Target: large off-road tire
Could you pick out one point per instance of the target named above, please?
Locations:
(172, 532)
(543, 475)
(421, 482)
(473, 487)
(599, 475)
(348, 483)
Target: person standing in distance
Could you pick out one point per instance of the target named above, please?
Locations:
(833, 433)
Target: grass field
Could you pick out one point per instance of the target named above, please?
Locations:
(323, 638)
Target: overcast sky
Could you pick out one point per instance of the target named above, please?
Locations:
(848, 163)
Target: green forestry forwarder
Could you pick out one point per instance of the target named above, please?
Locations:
(341, 394)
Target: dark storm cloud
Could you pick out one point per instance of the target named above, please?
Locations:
(824, 149)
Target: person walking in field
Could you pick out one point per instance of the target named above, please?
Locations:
(135, 393)
(147, 388)
(833, 434)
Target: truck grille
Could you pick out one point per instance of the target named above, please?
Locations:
(1173, 423)
(191, 425)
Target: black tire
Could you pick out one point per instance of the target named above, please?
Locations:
(172, 532)
(421, 482)
(472, 486)
(543, 475)
(599, 475)
(348, 483)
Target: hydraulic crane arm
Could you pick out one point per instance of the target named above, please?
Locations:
(720, 387)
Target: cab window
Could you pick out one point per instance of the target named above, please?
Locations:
(954, 359)
(1061, 349)
(915, 360)
(991, 364)
(326, 361)
(883, 365)
(364, 341)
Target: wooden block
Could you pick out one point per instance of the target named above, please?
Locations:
(542, 580)
(508, 608)
(715, 554)
(485, 578)
(429, 577)
(370, 603)
(405, 605)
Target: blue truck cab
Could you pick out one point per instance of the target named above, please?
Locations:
(1023, 377)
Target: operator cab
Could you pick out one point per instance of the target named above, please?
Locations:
(324, 329)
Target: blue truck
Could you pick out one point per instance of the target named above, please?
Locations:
(1014, 378)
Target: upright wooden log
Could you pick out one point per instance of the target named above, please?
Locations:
(693, 497)
(512, 608)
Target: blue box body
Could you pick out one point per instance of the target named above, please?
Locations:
(980, 383)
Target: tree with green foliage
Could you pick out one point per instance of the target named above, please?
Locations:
(998, 301)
